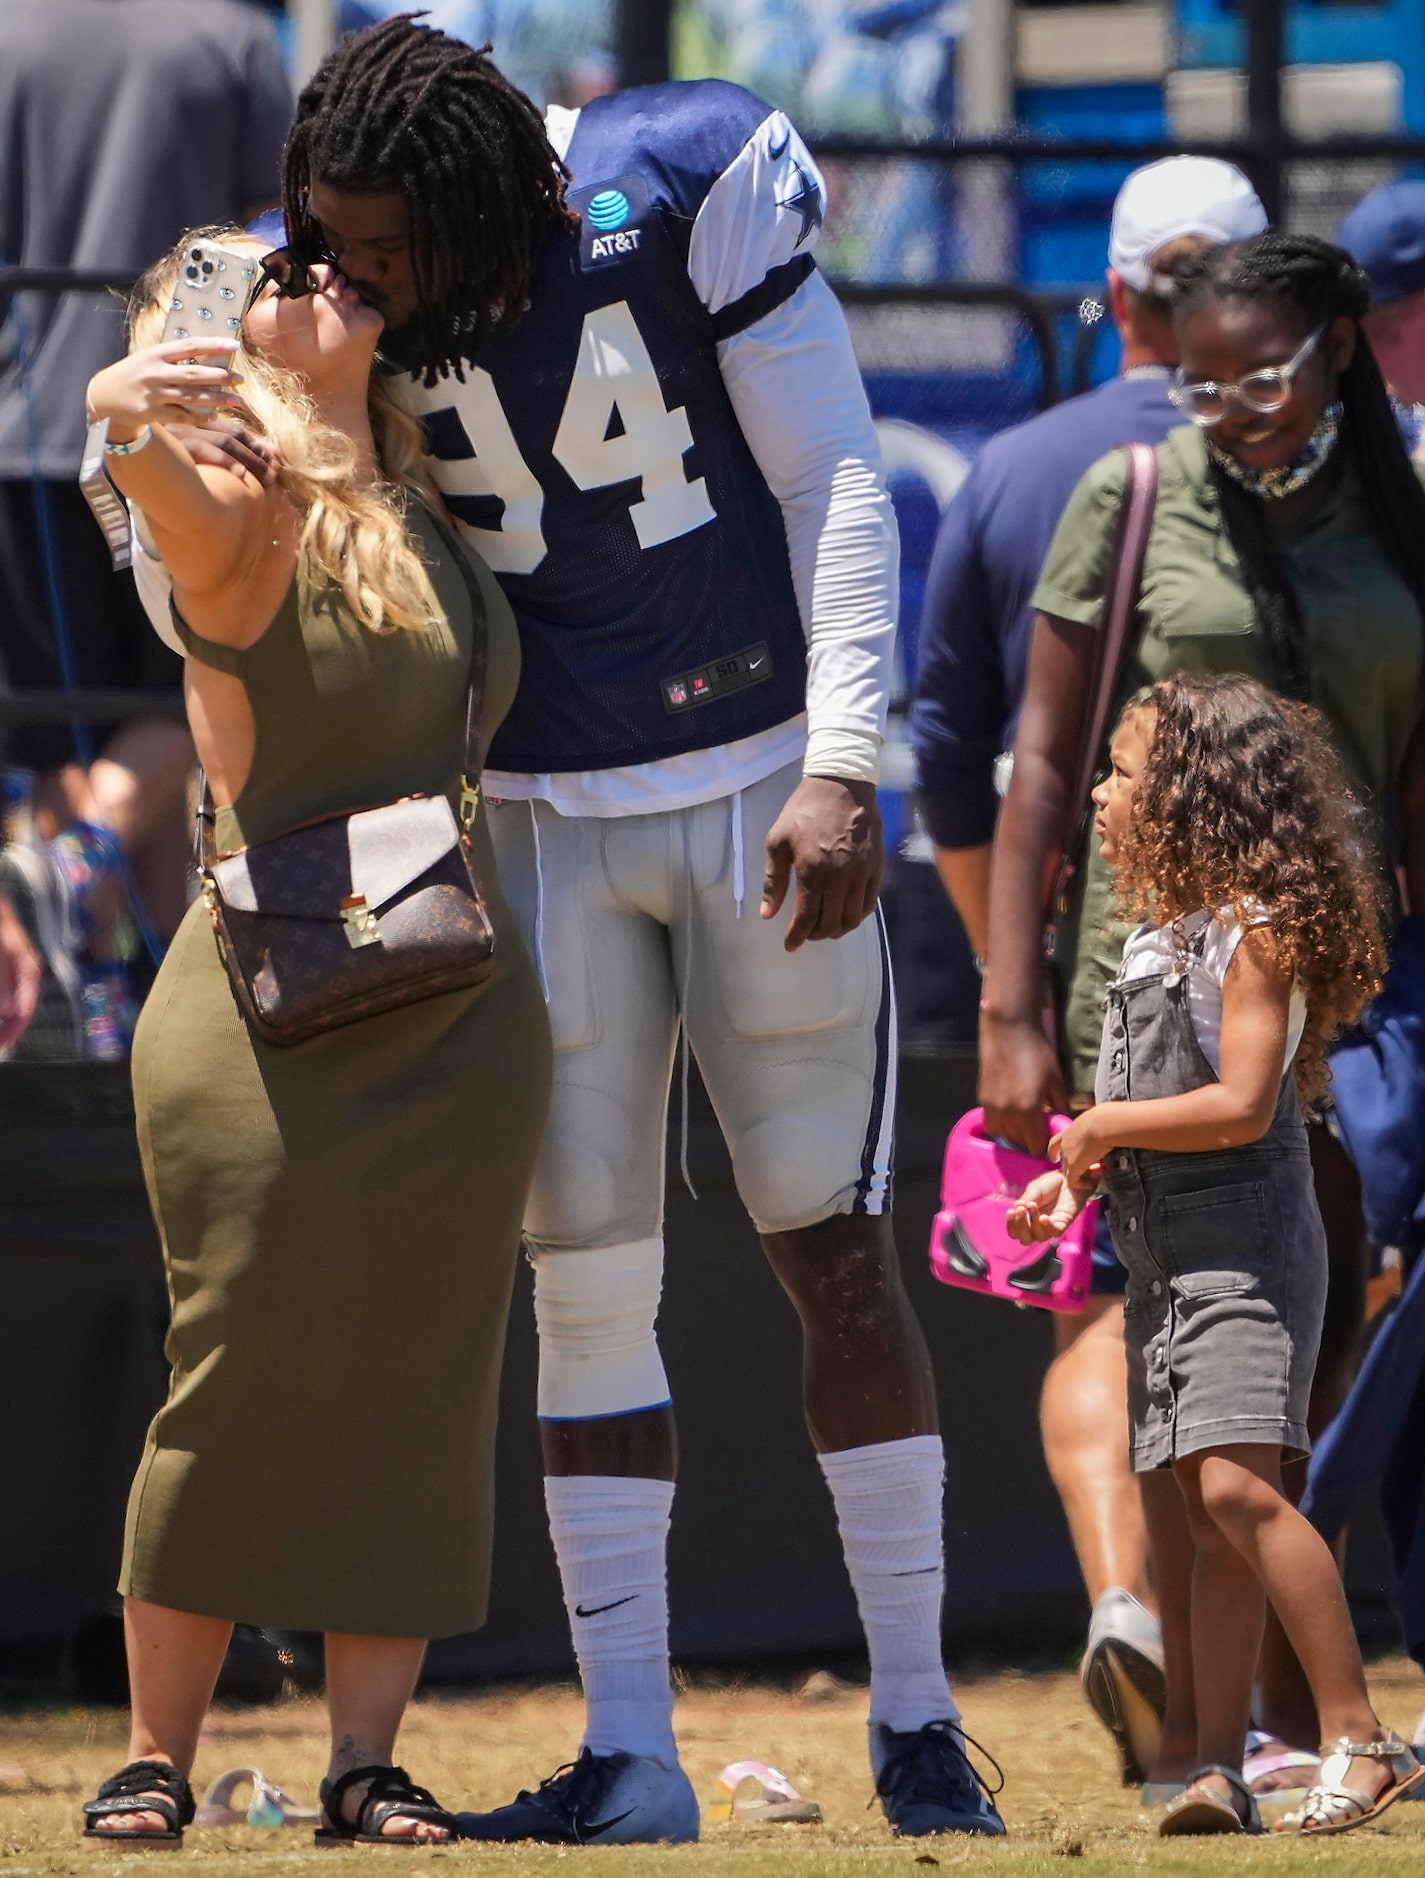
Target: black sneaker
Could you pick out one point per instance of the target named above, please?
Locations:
(927, 1785)
(600, 1799)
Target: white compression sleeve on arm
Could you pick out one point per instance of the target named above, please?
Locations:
(794, 384)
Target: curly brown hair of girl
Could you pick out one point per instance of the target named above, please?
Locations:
(1241, 800)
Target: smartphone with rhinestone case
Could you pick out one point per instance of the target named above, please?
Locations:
(212, 293)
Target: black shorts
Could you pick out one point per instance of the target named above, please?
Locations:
(114, 646)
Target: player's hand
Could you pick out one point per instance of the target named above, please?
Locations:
(829, 836)
(157, 385)
(1045, 1210)
(20, 970)
(223, 444)
(1020, 1082)
(1080, 1149)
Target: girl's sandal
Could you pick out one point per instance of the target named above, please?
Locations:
(1332, 1806)
(142, 1787)
(391, 1795)
(1200, 1810)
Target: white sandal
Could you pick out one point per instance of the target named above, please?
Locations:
(1332, 1806)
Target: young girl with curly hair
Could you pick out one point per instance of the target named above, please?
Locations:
(1228, 823)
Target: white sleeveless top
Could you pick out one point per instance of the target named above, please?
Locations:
(1149, 952)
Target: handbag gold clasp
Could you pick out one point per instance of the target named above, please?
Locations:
(360, 922)
(469, 803)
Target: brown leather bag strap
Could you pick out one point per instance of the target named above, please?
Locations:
(479, 651)
(1118, 636)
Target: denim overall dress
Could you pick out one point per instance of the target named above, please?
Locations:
(1225, 1251)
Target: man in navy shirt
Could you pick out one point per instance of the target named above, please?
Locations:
(974, 649)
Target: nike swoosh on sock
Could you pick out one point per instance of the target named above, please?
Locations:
(599, 1609)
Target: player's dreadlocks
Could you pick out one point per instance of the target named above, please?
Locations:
(404, 107)
(1316, 282)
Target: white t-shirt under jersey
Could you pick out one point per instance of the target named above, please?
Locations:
(1149, 952)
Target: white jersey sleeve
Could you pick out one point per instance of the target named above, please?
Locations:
(753, 236)
(796, 388)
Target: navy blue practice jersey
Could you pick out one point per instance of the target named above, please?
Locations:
(594, 459)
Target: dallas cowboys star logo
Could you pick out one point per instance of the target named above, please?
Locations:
(805, 201)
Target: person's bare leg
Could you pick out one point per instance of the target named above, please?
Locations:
(1172, 1554)
(141, 790)
(1228, 1609)
(1241, 1491)
(370, 1680)
(1083, 1418)
(866, 1375)
(174, 1658)
(1285, 1707)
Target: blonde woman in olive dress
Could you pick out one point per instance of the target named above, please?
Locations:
(340, 1218)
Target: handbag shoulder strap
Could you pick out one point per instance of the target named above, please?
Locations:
(479, 664)
(1118, 633)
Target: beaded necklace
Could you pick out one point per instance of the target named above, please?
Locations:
(1273, 484)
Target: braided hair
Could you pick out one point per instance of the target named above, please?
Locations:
(404, 107)
(1316, 282)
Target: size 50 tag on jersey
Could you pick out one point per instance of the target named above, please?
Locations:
(736, 672)
(613, 219)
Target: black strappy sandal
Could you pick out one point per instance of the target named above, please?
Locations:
(391, 1795)
(142, 1787)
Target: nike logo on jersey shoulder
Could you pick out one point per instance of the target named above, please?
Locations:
(599, 1609)
(778, 150)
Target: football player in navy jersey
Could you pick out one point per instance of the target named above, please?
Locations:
(646, 415)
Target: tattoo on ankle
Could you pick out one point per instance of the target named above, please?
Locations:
(346, 1755)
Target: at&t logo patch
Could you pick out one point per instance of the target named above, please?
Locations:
(611, 214)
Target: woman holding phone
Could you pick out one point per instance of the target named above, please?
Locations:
(340, 1216)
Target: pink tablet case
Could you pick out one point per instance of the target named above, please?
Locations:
(969, 1244)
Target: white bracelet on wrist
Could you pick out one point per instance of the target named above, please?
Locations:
(144, 438)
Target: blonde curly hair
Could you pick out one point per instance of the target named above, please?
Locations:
(354, 532)
(1242, 803)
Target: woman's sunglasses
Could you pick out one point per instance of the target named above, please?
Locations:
(1206, 402)
(290, 269)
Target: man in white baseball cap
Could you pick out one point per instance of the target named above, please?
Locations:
(973, 652)
(1181, 197)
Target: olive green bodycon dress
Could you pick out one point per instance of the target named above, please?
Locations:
(340, 1218)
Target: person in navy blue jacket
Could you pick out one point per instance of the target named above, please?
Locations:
(974, 648)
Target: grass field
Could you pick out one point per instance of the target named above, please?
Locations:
(1060, 1799)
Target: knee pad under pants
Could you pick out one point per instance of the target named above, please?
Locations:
(596, 1309)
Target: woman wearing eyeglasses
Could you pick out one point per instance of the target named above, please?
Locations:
(1288, 543)
(340, 1216)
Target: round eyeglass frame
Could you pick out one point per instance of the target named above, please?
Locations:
(1182, 394)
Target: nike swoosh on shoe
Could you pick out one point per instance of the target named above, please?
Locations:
(605, 1825)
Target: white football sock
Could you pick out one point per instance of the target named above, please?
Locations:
(611, 1540)
(888, 1505)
